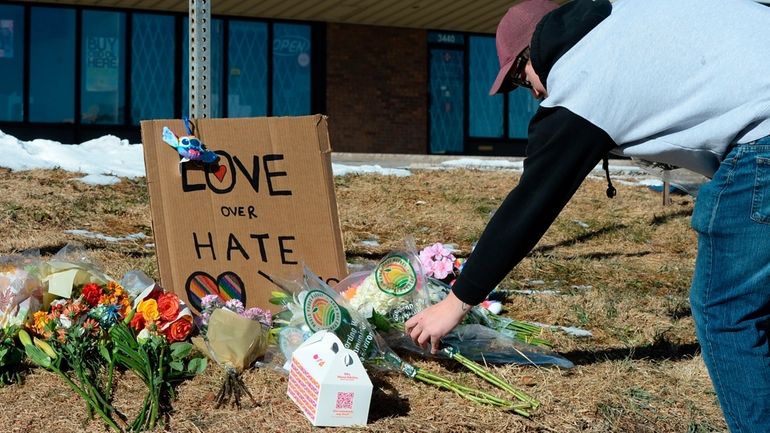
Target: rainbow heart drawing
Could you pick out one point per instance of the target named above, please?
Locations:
(228, 285)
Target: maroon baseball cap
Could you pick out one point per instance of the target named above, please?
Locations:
(514, 34)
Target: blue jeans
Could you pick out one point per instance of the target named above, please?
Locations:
(730, 294)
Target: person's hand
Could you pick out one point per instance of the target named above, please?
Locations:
(429, 325)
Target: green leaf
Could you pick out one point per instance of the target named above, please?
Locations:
(38, 356)
(181, 350)
(284, 316)
(105, 353)
(380, 322)
(176, 365)
(197, 365)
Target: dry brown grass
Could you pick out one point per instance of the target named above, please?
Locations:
(641, 372)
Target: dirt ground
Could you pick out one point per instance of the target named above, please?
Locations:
(620, 269)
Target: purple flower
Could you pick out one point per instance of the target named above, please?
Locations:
(263, 316)
(234, 305)
(209, 302)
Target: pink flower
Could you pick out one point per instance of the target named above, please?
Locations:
(437, 261)
(438, 250)
(427, 264)
(442, 268)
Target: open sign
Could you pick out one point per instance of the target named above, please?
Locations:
(290, 45)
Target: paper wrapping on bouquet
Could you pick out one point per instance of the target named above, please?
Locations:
(233, 340)
(230, 227)
(329, 383)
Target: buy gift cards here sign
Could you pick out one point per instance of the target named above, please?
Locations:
(262, 211)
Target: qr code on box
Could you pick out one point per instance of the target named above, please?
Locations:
(344, 400)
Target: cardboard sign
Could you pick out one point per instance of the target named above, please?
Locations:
(329, 383)
(262, 211)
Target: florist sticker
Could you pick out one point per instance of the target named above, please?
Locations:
(395, 275)
(321, 312)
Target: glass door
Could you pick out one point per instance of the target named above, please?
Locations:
(447, 100)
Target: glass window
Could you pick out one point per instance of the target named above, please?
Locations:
(103, 78)
(521, 107)
(52, 48)
(11, 63)
(291, 69)
(215, 79)
(152, 67)
(447, 102)
(247, 77)
(485, 112)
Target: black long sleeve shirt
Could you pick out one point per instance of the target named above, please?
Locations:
(563, 148)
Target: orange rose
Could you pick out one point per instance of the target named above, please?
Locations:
(168, 306)
(179, 330)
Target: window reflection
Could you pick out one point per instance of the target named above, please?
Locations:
(103, 81)
(247, 75)
(521, 107)
(52, 48)
(485, 112)
(11, 63)
(152, 67)
(291, 69)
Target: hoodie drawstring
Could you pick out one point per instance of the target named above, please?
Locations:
(611, 191)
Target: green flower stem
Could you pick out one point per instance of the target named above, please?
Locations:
(156, 390)
(110, 375)
(523, 331)
(138, 424)
(107, 419)
(492, 378)
(471, 394)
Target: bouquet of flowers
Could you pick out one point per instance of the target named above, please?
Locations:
(477, 337)
(311, 305)
(21, 295)
(233, 337)
(72, 335)
(442, 269)
(151, 343)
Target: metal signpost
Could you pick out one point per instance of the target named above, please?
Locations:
(200, 59)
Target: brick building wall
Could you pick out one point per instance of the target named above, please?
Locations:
(376, 89)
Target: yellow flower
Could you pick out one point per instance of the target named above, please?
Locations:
(113, 294)
(114, 288)
(40, 319)
(149, 310)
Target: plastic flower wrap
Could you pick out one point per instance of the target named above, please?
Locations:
(233, 337)
(486, 313)
(21, 295)
(478, 337)
(151, 343)
(311, 306)
(396, 288)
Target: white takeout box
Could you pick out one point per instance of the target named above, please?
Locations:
(329, 383)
